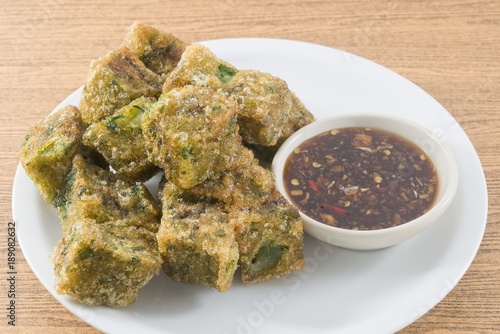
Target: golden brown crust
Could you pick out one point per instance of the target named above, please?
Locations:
(269, 238)
(264, 103)
(159, 51)
(94, 193)
(105, 264)
(113, 82)
(119, 139)
(196, 239)
(198, 66)
(48, 150)
(192, 134)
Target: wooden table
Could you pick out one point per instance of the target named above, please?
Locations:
(449, 48)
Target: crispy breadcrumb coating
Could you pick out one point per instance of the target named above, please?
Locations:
(119, 139)
(159, 51)
(105, 264)
(113, 82)
(48, 150)
(192, 134)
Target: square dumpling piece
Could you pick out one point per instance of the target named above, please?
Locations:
(159, 51)
(95, 193)
(49, 148)
(269, 240)
(196, 240)
(113, 82)
(198, 66)
(192, 134)
(120, 141)
(105, 264)
(264, 104)
(298, 117)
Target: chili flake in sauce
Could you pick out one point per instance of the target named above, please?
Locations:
(360, 179)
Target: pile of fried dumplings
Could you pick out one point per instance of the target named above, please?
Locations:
(160, 106)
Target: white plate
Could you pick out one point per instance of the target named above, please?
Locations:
(339, 291)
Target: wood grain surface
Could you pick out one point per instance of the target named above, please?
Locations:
(449, 48)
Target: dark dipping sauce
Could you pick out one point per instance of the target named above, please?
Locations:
(360, 179)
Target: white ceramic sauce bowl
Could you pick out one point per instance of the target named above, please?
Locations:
(440, 155)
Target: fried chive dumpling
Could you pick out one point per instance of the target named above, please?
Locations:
(200, 67)
(268, 228)
(105, 264)
(48, 150)
(95, 193)
(119, 139)
(113, 82)
(298, 117)
(196, 240)
(264, 103)
(192, 134)
(159, 51)
(269, 238)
